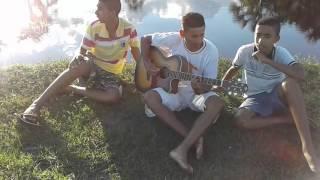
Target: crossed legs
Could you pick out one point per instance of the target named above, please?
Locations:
(213, 107)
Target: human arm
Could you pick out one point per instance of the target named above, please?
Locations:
(231, 72)
(199, 87)
(146, 42)
(145, 46)
(83, 51)
(86, 46)
(237, 63)
(134, 44)
(81, 56)
(294, 71)
(135, 51)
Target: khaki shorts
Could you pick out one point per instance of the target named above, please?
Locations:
(98, 78)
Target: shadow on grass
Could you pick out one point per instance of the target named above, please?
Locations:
(139, 147)
(88, 140)
(53, 145)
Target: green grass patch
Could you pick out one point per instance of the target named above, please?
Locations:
(82, 139)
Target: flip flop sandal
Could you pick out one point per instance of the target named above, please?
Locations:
(32, 119)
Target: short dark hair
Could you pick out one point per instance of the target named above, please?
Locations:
(192, 20)
(271, 21)
(113, 5)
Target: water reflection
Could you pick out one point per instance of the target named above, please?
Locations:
(304, 14)
(39, 19)
(134, 4)
(53, 29)
(138, 9)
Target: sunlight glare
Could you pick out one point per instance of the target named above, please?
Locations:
(174, 10)
(72, 9)
(14, 15)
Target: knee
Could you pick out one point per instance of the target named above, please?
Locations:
(115, 99)
(79, 70)
(242, 120)
(111, 97)
(214, 102)
(241, 123)
(289, 84)
(150, 96)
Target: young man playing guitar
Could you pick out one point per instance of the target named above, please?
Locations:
(202, 56)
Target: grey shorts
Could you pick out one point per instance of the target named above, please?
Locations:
(98, 78)
(265, 104)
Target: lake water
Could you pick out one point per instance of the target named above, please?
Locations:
(58, 25)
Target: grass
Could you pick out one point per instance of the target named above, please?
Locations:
(82, 139)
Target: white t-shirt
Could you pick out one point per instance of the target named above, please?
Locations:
(261, 77)
(205, 59)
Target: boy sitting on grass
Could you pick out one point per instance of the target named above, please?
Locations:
(273, 96)
(196, 95)
(103, 55)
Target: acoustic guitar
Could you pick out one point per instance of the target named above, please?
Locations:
(177, 68)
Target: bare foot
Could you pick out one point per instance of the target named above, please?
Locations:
(312, 160)
(182, 161)
(199, 148)
(314, 166)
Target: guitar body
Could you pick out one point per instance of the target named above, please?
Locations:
(173, 69)
(145, 81)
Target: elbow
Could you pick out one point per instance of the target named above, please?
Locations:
(145, 40)
(301, 76)
(299, 73)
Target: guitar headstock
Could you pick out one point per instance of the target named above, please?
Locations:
(235, 87)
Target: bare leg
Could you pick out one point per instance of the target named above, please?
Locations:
(64, 79)
(290, 93)
(111, 95)
(249, 120)
(154, 102)
(294, 98)
(213, 107)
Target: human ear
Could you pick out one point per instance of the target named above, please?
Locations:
(277, 38)
(181, 33)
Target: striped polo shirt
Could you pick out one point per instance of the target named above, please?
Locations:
(261, 77)
(110, 53)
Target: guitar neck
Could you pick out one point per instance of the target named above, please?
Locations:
(188, 77)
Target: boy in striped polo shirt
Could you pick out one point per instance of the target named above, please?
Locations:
(273, 96)
(102, 58)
